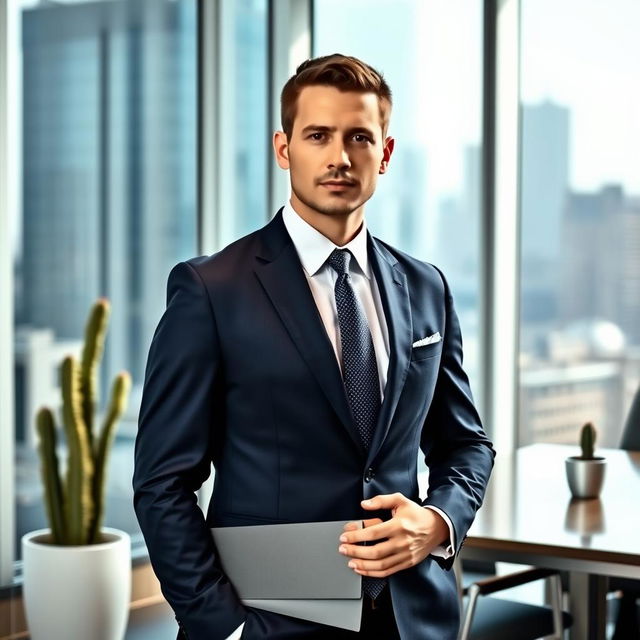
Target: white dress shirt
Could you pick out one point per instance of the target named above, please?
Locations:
(313, 249)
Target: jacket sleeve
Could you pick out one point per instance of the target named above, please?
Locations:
(173, 454)
(457, 451)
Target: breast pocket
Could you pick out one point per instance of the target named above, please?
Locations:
(426, 351)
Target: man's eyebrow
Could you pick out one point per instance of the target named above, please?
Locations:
(317, 127)
(323, 128)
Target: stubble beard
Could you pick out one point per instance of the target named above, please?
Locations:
(332, 209)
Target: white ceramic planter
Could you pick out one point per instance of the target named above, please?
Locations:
(585, 477)
(77, 592)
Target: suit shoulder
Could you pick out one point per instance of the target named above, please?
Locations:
(418, 272)
(228, 264)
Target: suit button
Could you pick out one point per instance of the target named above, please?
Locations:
(369, 475)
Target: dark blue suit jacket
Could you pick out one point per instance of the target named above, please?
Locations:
(241, 372)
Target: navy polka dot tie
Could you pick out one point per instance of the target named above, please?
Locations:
(359, 367)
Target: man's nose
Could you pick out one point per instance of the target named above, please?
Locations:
(338, 158)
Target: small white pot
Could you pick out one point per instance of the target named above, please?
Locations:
(77, 592)
(585, 477)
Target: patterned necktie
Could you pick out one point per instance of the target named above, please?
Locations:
(359, 367)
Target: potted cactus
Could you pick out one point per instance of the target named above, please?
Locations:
(77, 573)
(585, 473)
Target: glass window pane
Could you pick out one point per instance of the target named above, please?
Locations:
(428, 204)
(244, 135)
(109, 205)
(580, 290)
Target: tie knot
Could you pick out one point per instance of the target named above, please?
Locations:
(339, 260)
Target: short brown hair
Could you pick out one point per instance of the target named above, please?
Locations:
(345, 73)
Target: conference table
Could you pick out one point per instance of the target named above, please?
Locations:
(529, 517)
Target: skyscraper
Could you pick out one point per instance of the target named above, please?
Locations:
(459, 231)
(544, 184)
(109, 172)
(599, 276)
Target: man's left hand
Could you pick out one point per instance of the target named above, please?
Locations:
(411, 535)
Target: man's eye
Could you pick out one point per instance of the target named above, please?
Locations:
(360, 137)
(319, 134)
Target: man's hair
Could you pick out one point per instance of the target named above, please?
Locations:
(345, 73)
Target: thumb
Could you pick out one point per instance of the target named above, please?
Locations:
(384, 501)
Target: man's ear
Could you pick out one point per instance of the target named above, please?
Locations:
(386, 154)
(281, 149)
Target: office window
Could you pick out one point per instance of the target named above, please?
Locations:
(580, 242)
(109, 205)
(245, 142)
(428, 204)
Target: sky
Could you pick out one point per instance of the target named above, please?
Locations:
(585, 54)
(582, 54)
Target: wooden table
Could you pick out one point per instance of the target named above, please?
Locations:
(528, 517)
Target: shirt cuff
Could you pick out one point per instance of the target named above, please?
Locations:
(441, 551)
(237, 633)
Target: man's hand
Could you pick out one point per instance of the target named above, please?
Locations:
(405, 540)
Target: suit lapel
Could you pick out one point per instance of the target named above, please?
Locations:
(394, 294)
(280, 272)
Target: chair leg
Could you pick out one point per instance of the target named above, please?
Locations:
(465, 629)
(556, 603)
(457, 570)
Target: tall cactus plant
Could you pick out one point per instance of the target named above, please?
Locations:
(587, 441)
(75, 504)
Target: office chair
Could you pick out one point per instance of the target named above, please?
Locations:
(631, 431)
(487, 618)
(627, 623)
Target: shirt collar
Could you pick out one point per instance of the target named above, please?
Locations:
(314, 248)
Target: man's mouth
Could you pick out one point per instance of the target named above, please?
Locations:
(337, 184)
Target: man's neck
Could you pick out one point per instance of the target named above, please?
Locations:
(340, 229)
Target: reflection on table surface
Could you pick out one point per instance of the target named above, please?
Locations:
(528, 502)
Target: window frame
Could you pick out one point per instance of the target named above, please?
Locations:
(500, 225)
(7, 409)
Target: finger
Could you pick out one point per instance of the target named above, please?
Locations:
(353, 526)
(374, 532)
(387, 572)
(373, 552)
(381, 568)
(384, 501)
(371, 521)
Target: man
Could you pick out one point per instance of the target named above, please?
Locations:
(310, 362)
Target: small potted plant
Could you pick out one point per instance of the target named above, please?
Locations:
(585, 473)
(77, 574)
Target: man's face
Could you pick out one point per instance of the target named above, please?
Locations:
(336, 138)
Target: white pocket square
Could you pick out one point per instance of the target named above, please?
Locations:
(436, 337)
